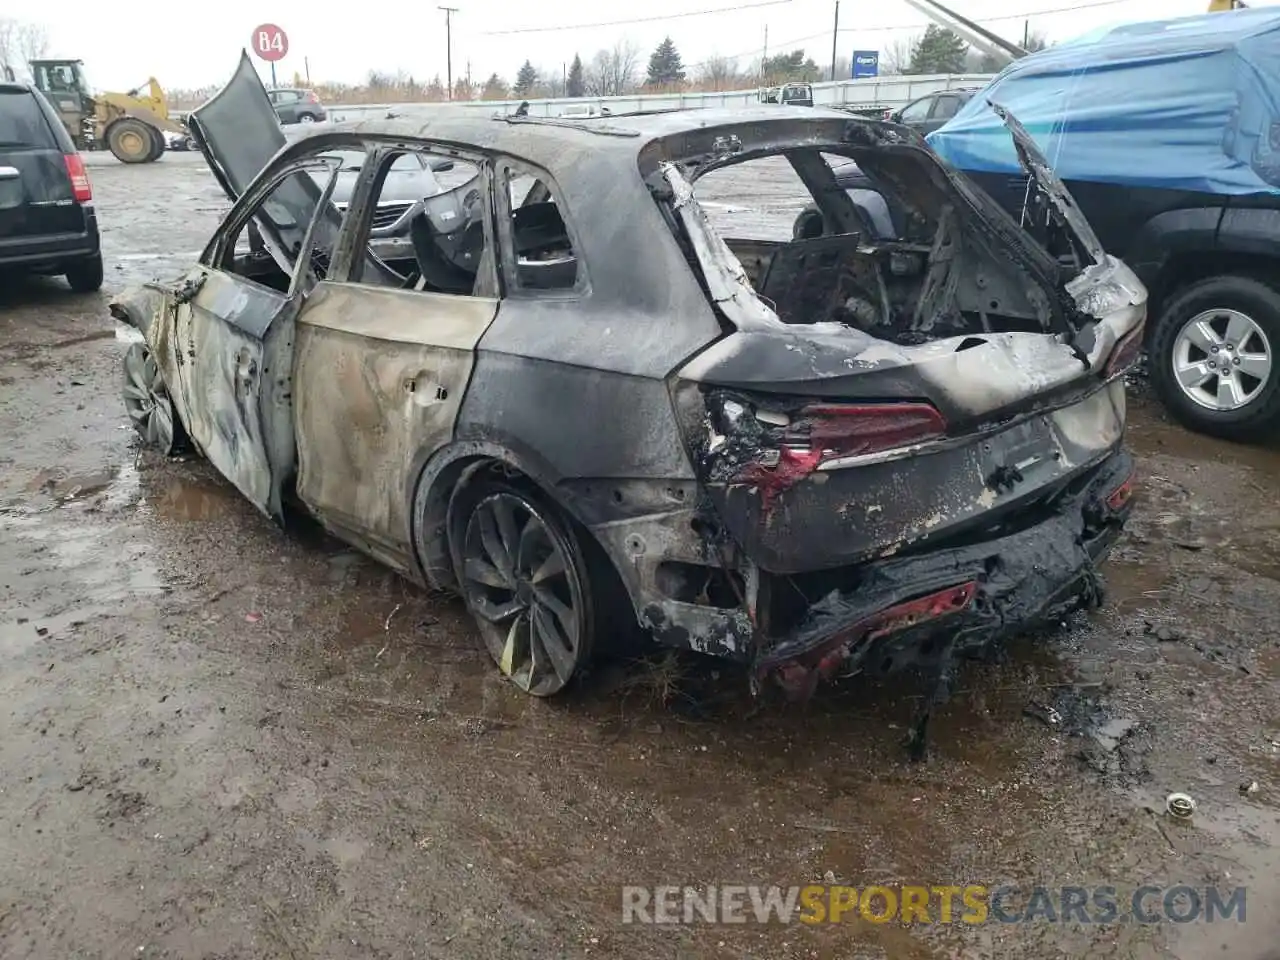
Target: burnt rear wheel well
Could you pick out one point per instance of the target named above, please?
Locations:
(439, 514)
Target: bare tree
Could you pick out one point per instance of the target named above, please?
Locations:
(33, 42)
(8, 44)
(612, 72)
(717, 72)
(896, 57)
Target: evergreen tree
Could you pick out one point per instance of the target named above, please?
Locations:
(526, 79)
(939, 51)
(665, 66)
(789, 66)
(576, 86)
(495, 88)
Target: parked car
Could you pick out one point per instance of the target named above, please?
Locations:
(48, 224)
(293, 105)
(587, 412)
(1168, 137)
(789, 95)
(410, 187)
(931, 111)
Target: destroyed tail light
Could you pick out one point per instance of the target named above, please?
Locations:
(1126, 352)
(80, 188)
(775, 449)
(834, 431)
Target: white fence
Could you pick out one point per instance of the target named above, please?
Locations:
(891, 92)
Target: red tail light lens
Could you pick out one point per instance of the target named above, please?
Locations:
(80, 188)
(831, 431)
(1126, 352)
(776, 446)
(311, 97)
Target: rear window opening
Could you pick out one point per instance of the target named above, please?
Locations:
(22, 121)
(891, 251)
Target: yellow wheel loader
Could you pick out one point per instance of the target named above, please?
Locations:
(129, 124)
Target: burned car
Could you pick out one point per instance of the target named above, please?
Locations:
(584, 410)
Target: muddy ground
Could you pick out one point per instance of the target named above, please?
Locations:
(220, 740)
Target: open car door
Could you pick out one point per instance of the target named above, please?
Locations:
(227, 351)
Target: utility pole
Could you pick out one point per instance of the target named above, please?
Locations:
(835, 33)
(448, 46)
(764, 54)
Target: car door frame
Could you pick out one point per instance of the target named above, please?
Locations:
(229, 360)
(380, 373)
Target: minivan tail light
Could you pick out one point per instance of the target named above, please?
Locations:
(311, 97)
(80, 188)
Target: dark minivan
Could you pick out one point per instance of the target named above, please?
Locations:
(47, 221)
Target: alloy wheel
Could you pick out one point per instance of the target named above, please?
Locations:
(1222, 359)
(146, 400)
(521, 583)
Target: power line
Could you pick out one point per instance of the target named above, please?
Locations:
(623, 23)
(791, 44)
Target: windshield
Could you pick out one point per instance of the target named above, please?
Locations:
(797, 92)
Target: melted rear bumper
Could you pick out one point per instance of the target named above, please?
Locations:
(910, 610)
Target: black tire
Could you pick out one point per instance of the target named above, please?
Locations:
(85, 276)
(131, 140)
(157, 144)
(514, 551)
(308, 118)
(1259, 417)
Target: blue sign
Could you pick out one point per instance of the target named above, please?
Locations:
(866, 63)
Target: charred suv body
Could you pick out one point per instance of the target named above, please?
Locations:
(582, 408)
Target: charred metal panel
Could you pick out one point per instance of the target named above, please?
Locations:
(644, 323)
(841, 513)
(585, 423)
(380, 377)
(232, 349)
(238, 130)
(1009, 581)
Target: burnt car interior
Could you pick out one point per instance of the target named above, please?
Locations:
(282, 217)
(448, 239)
(939, 278)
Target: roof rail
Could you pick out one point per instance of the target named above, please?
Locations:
(571, 124)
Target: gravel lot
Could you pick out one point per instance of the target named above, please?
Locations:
(221, 740)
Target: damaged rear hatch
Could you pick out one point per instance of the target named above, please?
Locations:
(886, 396)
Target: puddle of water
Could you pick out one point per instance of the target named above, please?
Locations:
(190, 500)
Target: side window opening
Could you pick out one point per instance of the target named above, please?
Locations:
(917, 111)
(542, 254)
(426, 226)
(945, 108)
(266, 245)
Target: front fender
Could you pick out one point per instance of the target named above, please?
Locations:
(139, 307)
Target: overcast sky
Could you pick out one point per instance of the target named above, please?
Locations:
(122, 45)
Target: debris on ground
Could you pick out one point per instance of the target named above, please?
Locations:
(1180, 805)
